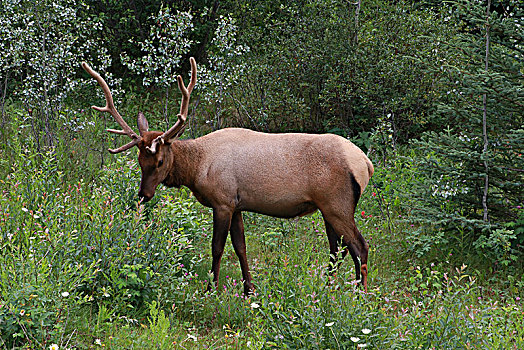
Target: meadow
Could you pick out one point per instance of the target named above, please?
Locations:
(430, 90)
(85, 265)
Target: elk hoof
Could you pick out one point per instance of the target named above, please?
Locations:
(249, 289)
(364, 271)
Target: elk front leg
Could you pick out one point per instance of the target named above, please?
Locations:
(239, 244)
(221, 224)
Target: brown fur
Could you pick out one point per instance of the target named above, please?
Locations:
(281, 175)
(235, 170)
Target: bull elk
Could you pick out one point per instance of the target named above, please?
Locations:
(234, 170)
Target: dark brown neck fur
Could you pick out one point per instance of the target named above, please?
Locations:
(186, 161)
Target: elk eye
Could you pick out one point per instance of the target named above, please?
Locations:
(160, 162)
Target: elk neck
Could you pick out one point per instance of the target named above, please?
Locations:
(187, 155)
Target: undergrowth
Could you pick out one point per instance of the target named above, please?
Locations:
(84, 265)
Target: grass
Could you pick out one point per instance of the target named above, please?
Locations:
(85, 266)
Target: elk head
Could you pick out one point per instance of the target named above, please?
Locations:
(154, 156)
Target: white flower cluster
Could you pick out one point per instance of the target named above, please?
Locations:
(448, 187)
(225, 66)
(164, 48)
(43, 45)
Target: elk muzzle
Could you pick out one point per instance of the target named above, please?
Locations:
(144, 194)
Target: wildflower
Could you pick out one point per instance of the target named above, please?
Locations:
(254, 306)
(98, 342)
(330, 324)
(22, 312)
(373, 194)
(362, 345)
(53, 347)
(192, 337)
(366, 331)
(363, 213)
(65, 294)
(355, 339)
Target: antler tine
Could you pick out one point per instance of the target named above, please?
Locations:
(124, 147)
(110, 108)
(119, 132)
(193, 75)
(184, 105)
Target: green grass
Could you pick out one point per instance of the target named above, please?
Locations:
(85, 266)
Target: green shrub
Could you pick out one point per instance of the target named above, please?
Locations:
(90, 240)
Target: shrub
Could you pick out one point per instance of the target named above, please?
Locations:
(92, 241)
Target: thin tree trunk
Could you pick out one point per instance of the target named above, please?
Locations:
(357, 12)
(166, 117)
(3, 101)
(485, 122)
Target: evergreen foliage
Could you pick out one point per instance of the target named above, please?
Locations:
(453, 163)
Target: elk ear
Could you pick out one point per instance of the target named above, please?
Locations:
(143, 125)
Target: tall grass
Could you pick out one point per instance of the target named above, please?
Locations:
(84, 265)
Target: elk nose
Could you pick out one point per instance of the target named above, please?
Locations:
(144, 197)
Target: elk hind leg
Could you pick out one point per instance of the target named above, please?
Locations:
(334, 245)
(352, 240)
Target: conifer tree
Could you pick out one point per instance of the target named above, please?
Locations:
(473, 171)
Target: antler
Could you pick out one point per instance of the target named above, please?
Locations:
(179, 126)
(110, 108)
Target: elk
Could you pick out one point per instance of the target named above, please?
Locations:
(234, 170)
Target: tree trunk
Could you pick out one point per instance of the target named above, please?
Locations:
(484, 123)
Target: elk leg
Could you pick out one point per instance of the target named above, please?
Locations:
(239, 244)
(352, 240)
(334, 245)
(354, 255)
(364, 249)
(359, 248)
(221, 224)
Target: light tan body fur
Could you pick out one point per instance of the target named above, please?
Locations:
(282, 175)
(235, 170)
